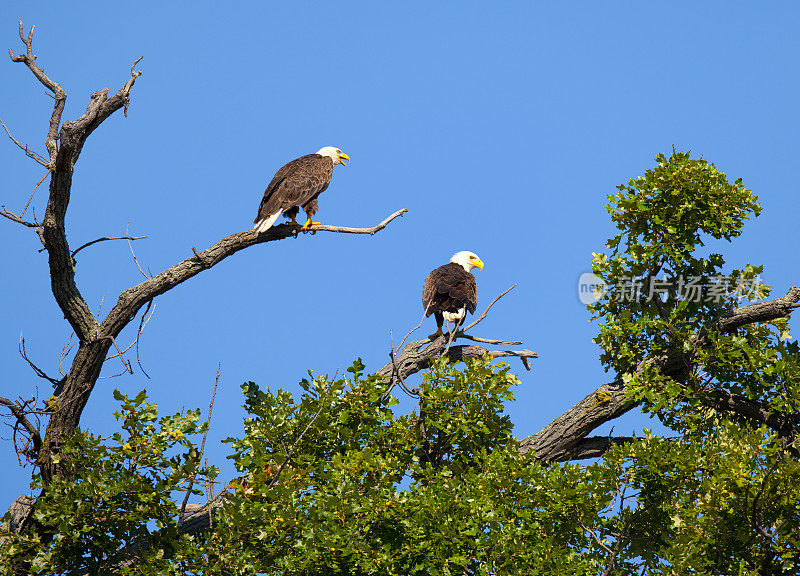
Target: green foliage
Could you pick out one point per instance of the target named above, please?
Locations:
(663, 217)
(117, 489)
(721, 496)
(338, 481)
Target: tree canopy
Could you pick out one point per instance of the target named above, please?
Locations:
(339, 481)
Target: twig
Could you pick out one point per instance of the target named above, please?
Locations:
(617, 537)
(134, 75)
(132, 253)
(596, 538)
(415, 328)
(119, 353)
(117, 375)
(451, 335)
(103, 239)
(29, 59)
(32, 194)
(11, 216)
(19, 414)
(396, 371)
(755, 519)
(485, 312)
(67, 348)
(347, 230)
(462, 334)
(297, 443)
(28, 152)
(142, 324)
(39, 372)
(202, 450)
(489, 341)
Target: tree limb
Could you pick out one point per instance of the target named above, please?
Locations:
(39, 372)
(105, 238)
(19, 414)
(29, 59)
(591, 447)
(417, 354)
(13, 217)
(414, 358)
(609, 401)
(133, 298)
(35, 156)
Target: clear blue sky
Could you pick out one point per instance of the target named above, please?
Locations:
(500, 126)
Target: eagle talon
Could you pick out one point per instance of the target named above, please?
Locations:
(436, 334)
(309, 224)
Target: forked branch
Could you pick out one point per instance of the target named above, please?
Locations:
(417, 355)
(19, 413)
(14, 218)
(29, 59)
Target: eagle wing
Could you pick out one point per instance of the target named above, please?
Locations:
(295, 184)
(448, 289)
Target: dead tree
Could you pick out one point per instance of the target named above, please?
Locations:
(96, 337)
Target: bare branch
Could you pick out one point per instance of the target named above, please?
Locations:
(19, 414)
(414, 359)
(346, 230)
(416, 355)
(489, 307)
(29, 59)
(490, 341)
(30, 198)
(65, 350)
(18, 219)
(39, 372)
(119, 353)
(293, 449)
(104, 239)
(591, 447)
(35, 156)
(129, 238)
(134, 75)
(410, 332)
(202, 450)
(395, 372)
(133, 298)
(142, 323)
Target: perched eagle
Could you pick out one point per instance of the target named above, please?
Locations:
(297, 185)
(450, 291)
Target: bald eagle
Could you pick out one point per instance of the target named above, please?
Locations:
(297, 185)
(450, 291)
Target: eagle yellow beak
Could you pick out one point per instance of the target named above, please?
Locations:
(343, 157)
(479, 263)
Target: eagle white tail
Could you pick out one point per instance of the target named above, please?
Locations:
(453, 317)
(266, 223)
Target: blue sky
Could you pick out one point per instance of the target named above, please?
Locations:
(501, 127)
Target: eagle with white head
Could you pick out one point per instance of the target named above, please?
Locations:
(297, 185)
(450, 291)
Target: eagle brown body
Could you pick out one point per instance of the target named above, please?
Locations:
(449, 290)
(296, 185)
